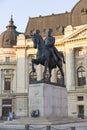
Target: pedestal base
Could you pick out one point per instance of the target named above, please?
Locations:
(51, 100)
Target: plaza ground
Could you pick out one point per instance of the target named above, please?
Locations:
(41, 123)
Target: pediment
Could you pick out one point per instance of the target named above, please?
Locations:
(79, 33)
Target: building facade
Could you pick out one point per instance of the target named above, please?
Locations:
(16, 52)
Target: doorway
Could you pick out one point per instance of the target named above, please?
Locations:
(81, 111)
(6, 107)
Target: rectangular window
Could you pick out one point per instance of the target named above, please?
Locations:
(7, 83)
(81, 75)
(7, 59)
(80, 52)
(80, 98)
(7, 101)
(81, 81)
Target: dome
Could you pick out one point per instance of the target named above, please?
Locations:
(9, 37)
(79, 13)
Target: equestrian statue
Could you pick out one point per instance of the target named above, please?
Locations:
(47, 54)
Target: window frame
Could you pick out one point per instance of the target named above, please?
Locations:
(7, 83)
(81, 76)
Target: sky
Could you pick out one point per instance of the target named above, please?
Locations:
(21, 10)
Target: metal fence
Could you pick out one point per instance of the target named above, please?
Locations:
(28, 127)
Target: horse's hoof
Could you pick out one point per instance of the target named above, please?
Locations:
(33, 70)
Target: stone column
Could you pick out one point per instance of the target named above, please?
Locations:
(54, 76)
(70, 71)
(39, 72)
(73, 75)
(0, 108)
(21, 64)
(86, 62)
(26, 73)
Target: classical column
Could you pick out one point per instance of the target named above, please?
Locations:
(39, 72)
(54, 76)
(86, 62)
(21, 64)
(70, 69)
(26, 72)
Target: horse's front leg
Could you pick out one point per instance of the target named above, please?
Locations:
(62, 73)
(61, 70)
(33, 68)
(49, 76)
(45, 70)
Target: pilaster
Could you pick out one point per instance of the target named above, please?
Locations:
(21, 64)
(0, 82)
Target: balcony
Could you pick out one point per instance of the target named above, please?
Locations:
(7, 62)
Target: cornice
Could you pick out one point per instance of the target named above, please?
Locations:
(74, 40)
(7, 63)
(23, 47)
(10, 95)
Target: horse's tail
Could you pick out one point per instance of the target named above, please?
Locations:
(62, 57)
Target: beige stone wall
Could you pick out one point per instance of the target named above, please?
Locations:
(21, 106)
(73, 103)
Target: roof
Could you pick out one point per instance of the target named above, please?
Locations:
(9, 37)
(58, 22)
(43, 23)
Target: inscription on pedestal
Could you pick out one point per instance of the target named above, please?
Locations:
(35, 101)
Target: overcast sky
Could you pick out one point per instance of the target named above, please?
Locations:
(23, 9)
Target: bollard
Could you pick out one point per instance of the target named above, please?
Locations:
(48, 127)
(26, 127)
(72, 128)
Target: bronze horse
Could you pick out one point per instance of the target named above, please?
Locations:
(45, 58)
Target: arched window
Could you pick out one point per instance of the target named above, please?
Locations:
(32, 77)
(81, 76)
(59, 77)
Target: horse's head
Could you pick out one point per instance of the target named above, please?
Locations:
(38, 41)
(35, 40)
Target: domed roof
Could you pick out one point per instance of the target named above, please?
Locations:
(9, 37)
(79, 13)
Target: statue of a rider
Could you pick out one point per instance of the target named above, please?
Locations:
(49, 42)
(46, 48)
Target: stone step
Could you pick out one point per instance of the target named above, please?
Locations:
(31, 121)
(42, 121)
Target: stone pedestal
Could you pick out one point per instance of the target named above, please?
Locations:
(50, 99)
